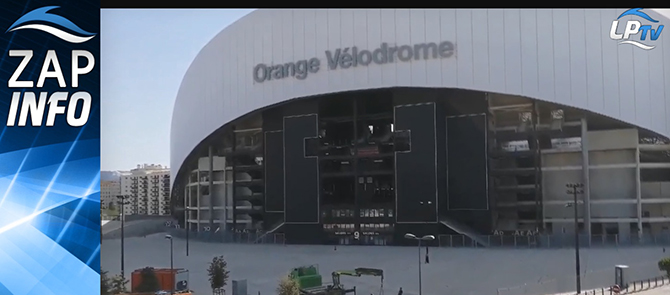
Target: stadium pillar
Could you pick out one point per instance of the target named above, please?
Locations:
(585, 180)
(198, 199)
(234, 172)
(638, 192)
(225, 196)
(211, 188)
(187, 203)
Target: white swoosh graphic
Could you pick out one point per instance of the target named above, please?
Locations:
(638, 44)
(28, 218)
(56, 32)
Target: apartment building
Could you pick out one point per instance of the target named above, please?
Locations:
(109, 189)
(147, 188)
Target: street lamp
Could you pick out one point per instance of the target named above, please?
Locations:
(574, 189)
(122, 203)
(169, 237)
(411, 236)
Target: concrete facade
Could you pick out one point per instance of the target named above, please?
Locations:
(564, 56)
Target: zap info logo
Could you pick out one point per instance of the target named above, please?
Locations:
(34, 104)
(638, 31)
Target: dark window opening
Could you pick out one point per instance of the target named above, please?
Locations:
(597, 229)
(545, 141)
(525, 197)
(375, 102)
(376, 165)
(377, 190)
(655, 175)
(338, 191)
(612, 229)
(339, 106)
(655, 156)
(527, 215)
(525, 162)
(337, 138)
(337, 166)
(525, 179)
(375, 132)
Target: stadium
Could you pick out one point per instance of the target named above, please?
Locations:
(359, 126)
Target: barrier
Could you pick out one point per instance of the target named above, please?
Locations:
(642, 276)
(229, 237)
(134, 228)
(553, 241)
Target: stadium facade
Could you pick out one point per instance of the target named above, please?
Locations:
(358, 126)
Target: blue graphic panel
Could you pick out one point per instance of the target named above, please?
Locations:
(49, 148)
(4, 290)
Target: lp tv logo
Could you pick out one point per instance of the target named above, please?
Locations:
(634, 27)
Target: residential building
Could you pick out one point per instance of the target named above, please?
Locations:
(147, 190)
(109, 189)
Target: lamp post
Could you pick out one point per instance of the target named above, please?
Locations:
(411, 236)
(122, 203)
(169, 237)
(574, 189)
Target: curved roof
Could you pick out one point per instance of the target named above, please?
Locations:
(561, 56)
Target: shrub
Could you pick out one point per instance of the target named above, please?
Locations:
(288, 286)
(104, 283)
(218, 273)
(664, 265)
(117, 285)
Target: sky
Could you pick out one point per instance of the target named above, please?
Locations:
(144, 56)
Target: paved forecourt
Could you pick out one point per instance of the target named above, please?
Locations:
(451, 270)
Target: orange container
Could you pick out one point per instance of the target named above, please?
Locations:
(135, 280)
(166, 278)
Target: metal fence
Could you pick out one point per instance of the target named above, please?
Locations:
(230, 237)
(640, 276)
(552, 241)
(632, 287)
(638, 286)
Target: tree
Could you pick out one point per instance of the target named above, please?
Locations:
(218, 273)
(118, 285)
(664, 265)
(104, 283)
(288, 286)
(149, 282)
(112, 206)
